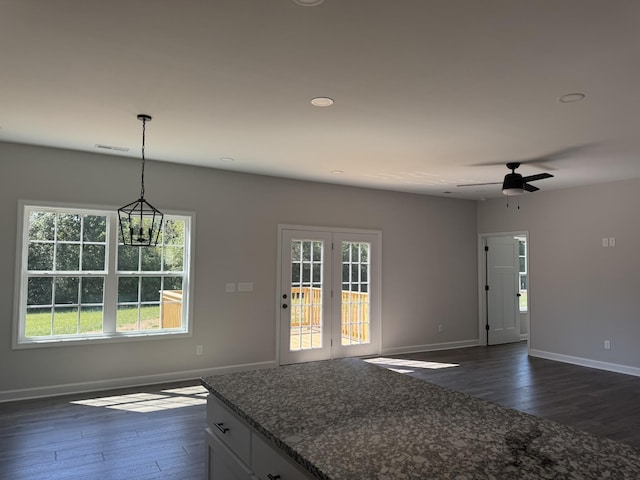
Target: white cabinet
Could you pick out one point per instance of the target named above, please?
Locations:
(222, 463)
(235, 451)
(226, 425)
(267, 464)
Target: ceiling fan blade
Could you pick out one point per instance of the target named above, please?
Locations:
(561, 154)
(530, 188)
(478, 184)
(538, 176)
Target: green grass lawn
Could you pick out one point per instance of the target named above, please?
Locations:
(90, 321)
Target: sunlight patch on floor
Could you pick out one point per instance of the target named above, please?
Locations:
(150, 402)
(408, 366)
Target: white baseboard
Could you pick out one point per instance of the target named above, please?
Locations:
(586, 362)
(430, 347)
(98, 385)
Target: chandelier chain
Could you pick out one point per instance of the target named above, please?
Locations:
(144, 124)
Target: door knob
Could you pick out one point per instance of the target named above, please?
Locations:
(284, 305)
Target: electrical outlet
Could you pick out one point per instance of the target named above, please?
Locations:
(199, 349)
(231, 288)
(607, 344)
(440, 328)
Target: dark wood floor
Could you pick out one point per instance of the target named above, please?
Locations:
(156, 433)
(599, 402)
(149, 433)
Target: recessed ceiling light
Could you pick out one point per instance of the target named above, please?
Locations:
(572, 97)
(337, 172)
(308, 3)
(227, 159)
(322, 102)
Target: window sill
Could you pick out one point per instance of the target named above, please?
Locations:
(98, 339)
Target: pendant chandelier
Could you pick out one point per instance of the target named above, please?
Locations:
(140, 222)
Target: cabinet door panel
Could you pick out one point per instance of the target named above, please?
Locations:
(222, 464)
(229, 428)
(268, 464)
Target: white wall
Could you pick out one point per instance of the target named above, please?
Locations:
(429, 264)
(580, 293)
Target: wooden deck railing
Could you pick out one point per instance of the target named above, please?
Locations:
(306, 311)
(171, 308)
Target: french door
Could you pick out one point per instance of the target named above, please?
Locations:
(329, 298)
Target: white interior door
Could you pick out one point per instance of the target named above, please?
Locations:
(329, 298)
(502, 297)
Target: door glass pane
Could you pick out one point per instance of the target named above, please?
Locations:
(306, 295)
(355, 320)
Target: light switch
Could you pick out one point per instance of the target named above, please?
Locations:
(245, 287)
(612, 241)
(605, 242)
(231, 288)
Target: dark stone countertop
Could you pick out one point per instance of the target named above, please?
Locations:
(348, 420)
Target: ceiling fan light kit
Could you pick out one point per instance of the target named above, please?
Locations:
(512, 191)
(516, 184)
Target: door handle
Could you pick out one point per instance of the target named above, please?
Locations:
(284, 305)
(518, 295)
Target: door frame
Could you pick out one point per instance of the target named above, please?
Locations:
(376, 303)
(482, 312)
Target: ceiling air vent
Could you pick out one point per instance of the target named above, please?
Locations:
(110, 147)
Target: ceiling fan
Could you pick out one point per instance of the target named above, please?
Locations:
(514, 183)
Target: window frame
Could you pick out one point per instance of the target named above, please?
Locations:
(110, 300)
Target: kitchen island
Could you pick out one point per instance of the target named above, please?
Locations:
(348, 420)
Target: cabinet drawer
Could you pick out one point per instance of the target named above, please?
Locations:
(229, 428)
(222, 464)
(269, 464)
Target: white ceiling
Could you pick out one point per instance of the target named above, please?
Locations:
(425, 91)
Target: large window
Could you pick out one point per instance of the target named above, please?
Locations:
(77, 281)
